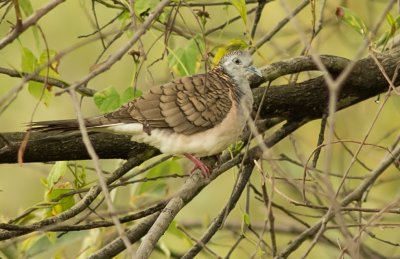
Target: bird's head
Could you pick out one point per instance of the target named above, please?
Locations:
(238, 64)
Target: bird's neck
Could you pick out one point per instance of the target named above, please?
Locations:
(219, 71)
(233, 82)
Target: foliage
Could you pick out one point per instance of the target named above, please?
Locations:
(186, 60)
(357, 24)
(241, 7)
(273, 195)
(29, 63)
(109, 99)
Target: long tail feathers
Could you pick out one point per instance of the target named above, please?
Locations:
(72, 125)
(59, 125)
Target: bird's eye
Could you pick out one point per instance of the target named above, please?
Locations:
(237, 61)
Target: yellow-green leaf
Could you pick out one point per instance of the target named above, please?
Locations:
(44, 59)
(352, 20)
(40, 92)
(387, 35)
(56, 173)
(173, 230)
(186, 60)
(29, 242)
(28, 61)
(240, 6)
(107, 99)
(245, 222)
(168, 167)
(383, 40)
(64, 203)
(26, 7)
(130, 94)
(52, 237)
(397, 22)
(246, 219)
(165, 249)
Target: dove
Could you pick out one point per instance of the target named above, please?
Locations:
(194, 116)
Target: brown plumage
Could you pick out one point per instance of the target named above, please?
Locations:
(186, 105)
(200, 114)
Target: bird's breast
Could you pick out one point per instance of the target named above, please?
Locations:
(205, 143)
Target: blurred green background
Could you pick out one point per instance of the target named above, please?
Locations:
(21, 187)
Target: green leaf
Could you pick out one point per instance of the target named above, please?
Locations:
(168, 167)
(144, 7)
(383, 40)
(173, 230)
(44, 59)
(155, 189)
(28, 61)
(186, 60)
(246, 219)
(52, 237)
(124, 18)
(41, 246)
(387, 35)
(164, 248)
(130, 94)
(32, 242)
(57, 171)
(107, 100)
(260, 252)
(64, 203)
(40, 92)
(235, 148)
(397, 22)
(29, 64)
(240, 6)
(390, 19)
(26, 7)
(352, 20)
(245, 222)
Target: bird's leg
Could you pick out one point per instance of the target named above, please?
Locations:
(198, 164)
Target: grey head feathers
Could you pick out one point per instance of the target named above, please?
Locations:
(237, 64)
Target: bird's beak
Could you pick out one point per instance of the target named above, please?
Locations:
(254, 70)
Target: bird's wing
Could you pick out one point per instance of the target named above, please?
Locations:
(186, 105)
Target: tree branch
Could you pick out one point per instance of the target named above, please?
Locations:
(304, 100)
(30, 21)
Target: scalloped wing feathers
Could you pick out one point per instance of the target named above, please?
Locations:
(186, 105)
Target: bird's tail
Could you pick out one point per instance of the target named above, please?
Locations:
(73, 125)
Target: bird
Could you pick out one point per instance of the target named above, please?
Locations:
(195, 116)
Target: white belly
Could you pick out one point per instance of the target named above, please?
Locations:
(209, 142)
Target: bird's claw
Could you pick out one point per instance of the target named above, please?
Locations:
(198, 164)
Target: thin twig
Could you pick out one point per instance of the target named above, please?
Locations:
(213, 228)
(122, 51)
(28, 22)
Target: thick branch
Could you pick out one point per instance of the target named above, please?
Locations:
(45, 148)
(305, 100)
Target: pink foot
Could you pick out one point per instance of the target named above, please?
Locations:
(199, 165)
